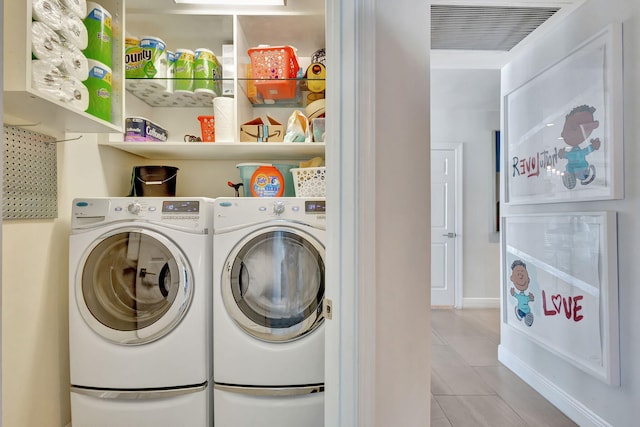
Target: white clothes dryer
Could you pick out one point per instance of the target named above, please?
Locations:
(268, 332)
(140, 301)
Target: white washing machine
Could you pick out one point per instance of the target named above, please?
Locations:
(268, 331)
(140, 300)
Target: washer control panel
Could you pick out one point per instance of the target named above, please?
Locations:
(176, 211)
(278, 207)
(315, 206)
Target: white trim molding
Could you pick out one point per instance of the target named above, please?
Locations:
(575, 410)
(480, 303)
(350, 335)
(364, 265)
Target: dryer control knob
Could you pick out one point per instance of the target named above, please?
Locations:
(278, 208)
(134, 208)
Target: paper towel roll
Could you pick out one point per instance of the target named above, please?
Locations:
(183, 74)
(156, 48)
(171, 70)
(46, 78)
(45, 43)
(100, 88)
(223, 113)
(76, 93)
(78, 7)
(74, 63)
(99, 25)
(74, 31)
(48, 12)
(206, 73)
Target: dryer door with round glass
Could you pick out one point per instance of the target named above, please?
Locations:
(273, 284)
(133, 286)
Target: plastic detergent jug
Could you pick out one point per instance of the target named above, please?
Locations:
(267, 181)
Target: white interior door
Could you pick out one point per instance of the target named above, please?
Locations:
(445, 224)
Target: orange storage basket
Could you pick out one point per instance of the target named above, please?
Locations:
(275, 63)
(207, 124)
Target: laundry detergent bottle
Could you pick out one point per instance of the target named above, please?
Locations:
(267, 181)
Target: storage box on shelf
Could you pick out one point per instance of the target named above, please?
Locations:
(274, 69)
(257, 130)
(30, 106)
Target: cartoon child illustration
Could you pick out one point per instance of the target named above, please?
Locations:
(578, 125)
(520, 279)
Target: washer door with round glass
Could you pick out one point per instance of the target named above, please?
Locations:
(273, 284)
(133, 286)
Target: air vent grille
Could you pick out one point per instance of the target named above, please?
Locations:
(484, 27)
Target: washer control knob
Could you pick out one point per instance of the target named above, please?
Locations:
(278, 208)
(134, 208)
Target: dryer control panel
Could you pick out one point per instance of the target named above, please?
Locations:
(244, 211)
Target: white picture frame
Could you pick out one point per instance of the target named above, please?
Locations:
(563, 128)
(569, 304)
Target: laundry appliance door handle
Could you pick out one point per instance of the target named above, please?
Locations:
(271, 391)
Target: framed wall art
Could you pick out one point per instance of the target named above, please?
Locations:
(560, 286)
(563, 128)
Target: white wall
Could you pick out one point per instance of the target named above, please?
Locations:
(35, 274)
(584, 398)
(465, 107)
(402, 213)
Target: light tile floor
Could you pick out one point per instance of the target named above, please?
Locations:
(469, 387)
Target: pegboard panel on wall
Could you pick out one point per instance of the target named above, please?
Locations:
(30, 175)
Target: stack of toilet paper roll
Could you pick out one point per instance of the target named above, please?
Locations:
(58, 36)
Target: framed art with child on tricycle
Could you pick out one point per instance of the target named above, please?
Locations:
(563, 128)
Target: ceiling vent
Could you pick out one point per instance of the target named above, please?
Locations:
(484, 27)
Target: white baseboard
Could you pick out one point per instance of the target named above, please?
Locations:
(575, 410)
(481, 303)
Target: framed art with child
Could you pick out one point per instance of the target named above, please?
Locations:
(563, 128)
(560, 286)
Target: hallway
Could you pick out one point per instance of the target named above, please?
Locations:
(469, 387)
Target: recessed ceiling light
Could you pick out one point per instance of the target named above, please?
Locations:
(234, 2)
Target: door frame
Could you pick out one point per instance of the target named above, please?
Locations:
(361, 41)
(457, 148)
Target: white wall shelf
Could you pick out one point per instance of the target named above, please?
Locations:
(154, 93)
(23, 102)
(32, 108)
(221, 150)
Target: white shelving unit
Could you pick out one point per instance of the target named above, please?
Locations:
(197, 29)
(32, 107)
(189, 28)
